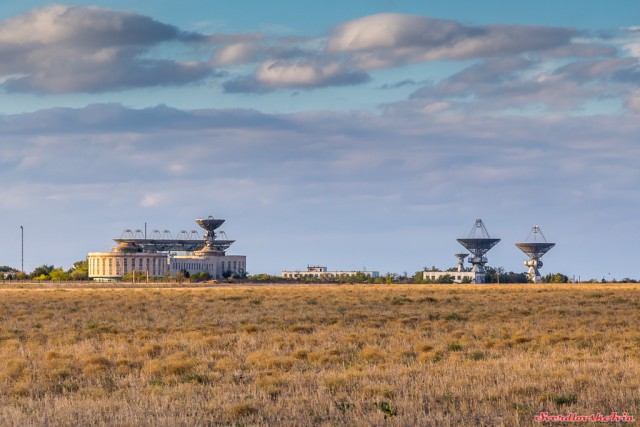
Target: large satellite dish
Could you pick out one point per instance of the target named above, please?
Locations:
(478, 243)
(535, 247)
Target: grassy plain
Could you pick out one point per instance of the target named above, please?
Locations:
(318, 354)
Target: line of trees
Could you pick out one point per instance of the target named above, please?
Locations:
(79, 271)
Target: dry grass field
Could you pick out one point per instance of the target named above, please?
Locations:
(318, 354)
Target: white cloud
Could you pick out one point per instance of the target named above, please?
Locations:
(59, 49)
(436, 107)
(236, 53)
(271, 75)
(525, 84)
(152, 200)
(391, 31)
(389, 39)
(177, 168)
(630, 40)
(633, 102)
(300, 74)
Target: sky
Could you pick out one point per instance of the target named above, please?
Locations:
(362, 134)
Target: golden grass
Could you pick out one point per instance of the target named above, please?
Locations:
(318, 354)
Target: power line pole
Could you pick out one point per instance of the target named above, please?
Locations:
(22, 246)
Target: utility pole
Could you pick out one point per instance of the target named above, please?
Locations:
(22, 247)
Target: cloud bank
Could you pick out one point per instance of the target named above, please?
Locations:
(348, 174)
(70, 49)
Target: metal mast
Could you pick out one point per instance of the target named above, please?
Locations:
(22, 248)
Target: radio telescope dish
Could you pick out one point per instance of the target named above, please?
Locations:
(478, 243)
(535, 249)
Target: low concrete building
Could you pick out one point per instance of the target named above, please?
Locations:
(319, 272)
(458, 276)
(218, 266)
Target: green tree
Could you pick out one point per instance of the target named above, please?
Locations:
(359, 277)
(512, 277)
(179, 276)
(141, 276)
(555, 278)
(418, 277)
(390, 277)
(42, 272)
(264, 278)
(446, 278)
(79, 271)
(59, 274)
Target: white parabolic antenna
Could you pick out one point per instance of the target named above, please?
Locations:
(478, 243)
(535, 247)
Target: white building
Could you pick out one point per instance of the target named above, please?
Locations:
(318, 272)
(109, 266)
(458, 276)
(155, 256)
(218, 266)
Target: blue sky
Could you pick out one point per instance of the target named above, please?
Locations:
(348, 134)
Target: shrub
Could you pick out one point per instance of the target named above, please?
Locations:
(565, 400)
(454, 316)
(386, 408)
(477, 355)
(242, 410)
(455, 346)
(372, 354)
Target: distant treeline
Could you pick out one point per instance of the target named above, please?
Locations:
(80, 272)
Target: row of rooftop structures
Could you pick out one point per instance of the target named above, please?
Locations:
(157, 256)
(479, 242)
